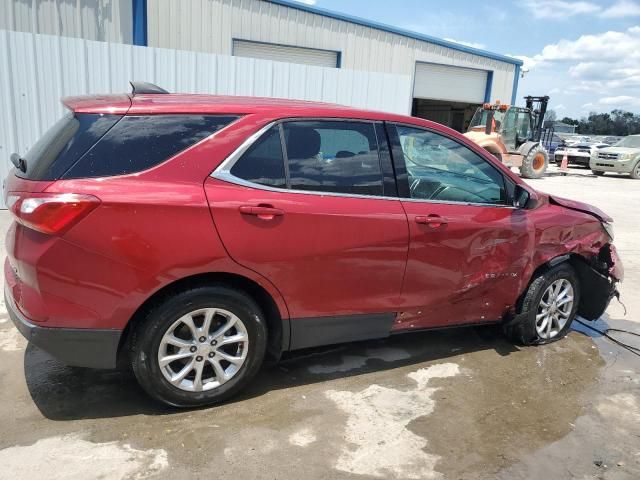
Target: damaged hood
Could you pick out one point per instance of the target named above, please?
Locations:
(581, 207)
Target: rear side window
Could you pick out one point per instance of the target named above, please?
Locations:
(139, 142)
(333, 156)
(263, 162)
(64, 143)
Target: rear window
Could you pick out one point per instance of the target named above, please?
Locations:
(64, 143)
(139, 142)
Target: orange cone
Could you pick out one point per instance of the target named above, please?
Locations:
(564, 166)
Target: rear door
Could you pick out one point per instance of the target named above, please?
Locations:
(312, 206)
(467, 243)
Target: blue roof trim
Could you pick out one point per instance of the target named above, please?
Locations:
(397, 31)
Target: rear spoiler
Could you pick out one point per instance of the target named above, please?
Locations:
(110, 104)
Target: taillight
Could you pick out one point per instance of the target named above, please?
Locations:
(51, 213)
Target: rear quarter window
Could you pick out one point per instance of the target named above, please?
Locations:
(139, 142)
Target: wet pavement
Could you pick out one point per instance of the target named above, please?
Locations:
(452, 404)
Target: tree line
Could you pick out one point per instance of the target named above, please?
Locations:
(617, 122)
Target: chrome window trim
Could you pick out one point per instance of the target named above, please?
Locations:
(228, 163)
(223, 171)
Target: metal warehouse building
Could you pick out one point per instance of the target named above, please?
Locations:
(272, 48)
(448, 80)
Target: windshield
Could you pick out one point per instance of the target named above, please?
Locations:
(481, 115)
(629, 142)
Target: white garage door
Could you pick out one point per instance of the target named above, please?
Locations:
(443, 82)
(281, 53)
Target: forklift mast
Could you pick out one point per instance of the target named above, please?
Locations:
(538, 108)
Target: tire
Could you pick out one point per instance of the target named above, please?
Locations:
(598, 173)
(525, 328)
(224, 307)
(535, 164)
(635, 173)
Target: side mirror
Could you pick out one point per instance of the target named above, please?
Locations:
(521, 197)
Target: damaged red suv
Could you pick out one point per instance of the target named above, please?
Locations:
(190, 236)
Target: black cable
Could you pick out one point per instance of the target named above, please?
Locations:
(605, 333)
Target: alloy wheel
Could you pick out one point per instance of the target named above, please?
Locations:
(203, 349)
(554, 309)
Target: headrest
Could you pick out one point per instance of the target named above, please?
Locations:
(344, 154)
(303, 143)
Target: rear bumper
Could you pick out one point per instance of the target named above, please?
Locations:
(72, 346)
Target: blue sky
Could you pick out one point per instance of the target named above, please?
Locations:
(584, 54)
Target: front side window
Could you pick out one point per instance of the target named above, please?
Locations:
(333, 156)
(441, 169)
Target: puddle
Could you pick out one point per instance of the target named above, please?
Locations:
(353, 362)
(506, 409)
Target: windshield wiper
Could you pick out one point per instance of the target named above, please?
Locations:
(19, 162)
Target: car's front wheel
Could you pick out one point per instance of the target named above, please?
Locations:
(635, 173)
(200, 346)
(548, 308)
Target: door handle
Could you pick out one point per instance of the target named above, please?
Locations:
(264, 212)
(433, 221)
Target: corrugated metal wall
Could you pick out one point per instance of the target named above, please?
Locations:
(36, 70)
(211, 26)
(104, 20)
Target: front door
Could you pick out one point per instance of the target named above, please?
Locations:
(467, 244)
(305, 206)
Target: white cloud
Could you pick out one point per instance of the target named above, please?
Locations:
(560, 9)
(622, 9)
(307, 2)
(559, 107)
(620, 101)
(597, 71)
(602, 60)
(468, 44)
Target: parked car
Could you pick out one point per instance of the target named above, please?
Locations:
(576, 139)
(190, 236)
(623, 157)
(612, 140)
(579, 153)
(553, 143)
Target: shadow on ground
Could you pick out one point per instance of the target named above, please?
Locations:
(69, 393)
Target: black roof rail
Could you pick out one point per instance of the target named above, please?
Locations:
(145, 87)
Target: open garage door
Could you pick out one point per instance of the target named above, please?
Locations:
(448, 95)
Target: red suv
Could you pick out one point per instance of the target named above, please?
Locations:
(193, 235)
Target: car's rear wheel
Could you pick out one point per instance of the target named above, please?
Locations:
(548, 308)
(200, 346)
